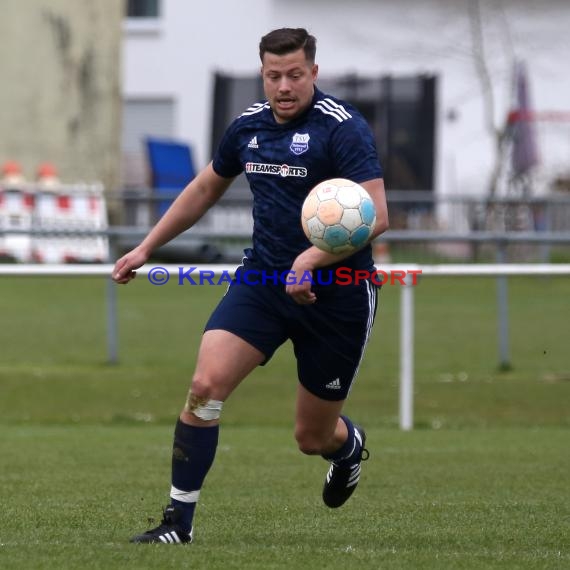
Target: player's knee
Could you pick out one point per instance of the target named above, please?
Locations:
(200, 403)
(201, 388)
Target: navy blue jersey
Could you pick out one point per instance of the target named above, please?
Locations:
(283, 162)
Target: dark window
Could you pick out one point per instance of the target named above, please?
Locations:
(143, 9)
(232, 96)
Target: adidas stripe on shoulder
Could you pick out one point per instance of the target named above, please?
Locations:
(330, 107)
(255, 108)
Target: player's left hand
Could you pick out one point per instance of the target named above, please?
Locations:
(301, 294)
(300, 289)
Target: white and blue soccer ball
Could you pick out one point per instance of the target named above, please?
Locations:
(338, 215)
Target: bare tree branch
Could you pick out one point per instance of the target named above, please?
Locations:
(499, 133)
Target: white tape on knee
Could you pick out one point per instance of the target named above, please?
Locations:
(209, 410)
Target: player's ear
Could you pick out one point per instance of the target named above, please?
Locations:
(315, 71)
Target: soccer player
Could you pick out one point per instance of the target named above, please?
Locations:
(287, 144)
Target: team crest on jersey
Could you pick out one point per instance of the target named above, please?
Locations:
(300, 143)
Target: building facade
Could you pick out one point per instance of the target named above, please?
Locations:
(170, 61)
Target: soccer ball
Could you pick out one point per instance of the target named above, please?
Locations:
(338, 215)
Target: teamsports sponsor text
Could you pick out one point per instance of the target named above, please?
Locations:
(283, 170)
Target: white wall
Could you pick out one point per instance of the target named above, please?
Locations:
(179, 57)
(368, 37)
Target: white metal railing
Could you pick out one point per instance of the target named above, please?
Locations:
(406, 406)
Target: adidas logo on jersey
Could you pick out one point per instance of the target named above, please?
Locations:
(334, 385)
(253, 143)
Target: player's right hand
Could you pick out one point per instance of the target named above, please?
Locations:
(124, 270)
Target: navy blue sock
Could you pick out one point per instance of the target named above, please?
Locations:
(192, 456)
(348, 450)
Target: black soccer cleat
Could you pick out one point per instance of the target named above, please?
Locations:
(168, 531)
(341, 481)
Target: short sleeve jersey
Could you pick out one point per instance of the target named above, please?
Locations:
(283, 162)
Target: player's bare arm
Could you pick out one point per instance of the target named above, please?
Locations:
(315, 258)
(192, 203)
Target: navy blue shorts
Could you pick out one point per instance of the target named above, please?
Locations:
(329, 336)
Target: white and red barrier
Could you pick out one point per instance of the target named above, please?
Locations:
(59, 210)
(16, 211)
(70, 209)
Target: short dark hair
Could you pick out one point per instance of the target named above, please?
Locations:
(287, 40)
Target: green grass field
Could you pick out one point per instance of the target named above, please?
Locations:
(482, 482)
